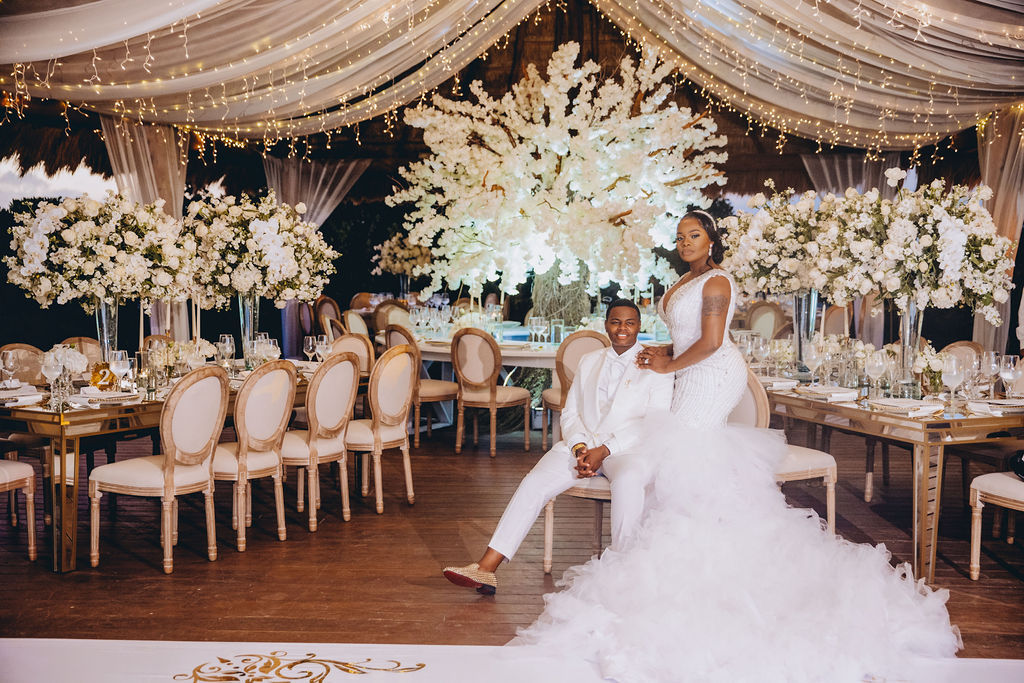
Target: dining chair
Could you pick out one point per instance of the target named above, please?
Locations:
(87, 346)
(325, 305)
(360, 345)
(329, 399)
(355, 323)
(837, 319)
(361, 300)
(567, 359)
(425, 389)
(29, 361)
(753, 410)
(307, 319)
(1002, 489)
(384, 311)
(396, 315)
(784, 332)
(19, 476)
(390, 392)
(191, 421)
(150, 340)
(477, 362)
(332, 328)
(967, 351)
(262, 409)
(765, 317)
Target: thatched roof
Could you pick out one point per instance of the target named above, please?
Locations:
(44, 135)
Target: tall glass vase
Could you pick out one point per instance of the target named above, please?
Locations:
(249, 318)
(106, 327)
(907, 385)
(403, 287)
(805, 316)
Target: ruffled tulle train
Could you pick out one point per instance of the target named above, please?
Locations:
(726, 582)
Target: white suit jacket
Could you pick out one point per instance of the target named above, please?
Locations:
(639, 393)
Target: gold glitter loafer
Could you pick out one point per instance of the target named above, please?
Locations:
(471, 576)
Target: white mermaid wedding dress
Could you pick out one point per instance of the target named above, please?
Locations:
(724, 581)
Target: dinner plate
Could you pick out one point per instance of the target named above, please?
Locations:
(1006, 406)
(906, 405)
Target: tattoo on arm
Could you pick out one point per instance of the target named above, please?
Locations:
(715, 305)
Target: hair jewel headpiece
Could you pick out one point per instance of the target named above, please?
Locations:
(714, 223)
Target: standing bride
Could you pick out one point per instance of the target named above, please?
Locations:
(724, 581)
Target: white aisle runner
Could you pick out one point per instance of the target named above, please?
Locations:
(30, 660)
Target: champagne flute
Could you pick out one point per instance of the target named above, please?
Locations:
(309, 347)
(119, 365)
(989, 364)
(874, 366)
(952, 377)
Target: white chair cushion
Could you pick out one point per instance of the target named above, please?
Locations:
(552, 396)
(435, 389)
(295, 452)
(360, 434)
(505, 395)
(595, 488)
(148, 473)
(799, 460)
(24, 441)
(12, 471)
(225, 460)
(1003, 484)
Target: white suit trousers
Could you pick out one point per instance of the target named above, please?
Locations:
(553, 474)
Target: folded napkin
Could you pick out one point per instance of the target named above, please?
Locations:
(830, 394)
(10, 384)
(23, 390)
(997, 408)
(911, 407)
(982, 408)
(21, 399)
(778, 383)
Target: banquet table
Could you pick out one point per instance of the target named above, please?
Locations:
(928, 437)
(66, 431)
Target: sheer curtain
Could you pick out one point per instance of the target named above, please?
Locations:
(836, 172)
(320, 185)
(1001, 157)
(149, 164)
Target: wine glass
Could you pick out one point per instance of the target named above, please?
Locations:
(51, 371)
(952, 377)
(1009, 371)
(813, 358)
(9, 361)
(989, 367)
(323, 348)
(228, 341)
(309, 347)
(535, 323)
(759, 350)
(119, 365)
(874, 366)
(271, 350)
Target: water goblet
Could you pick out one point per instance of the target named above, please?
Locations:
(874, 367)
(813, 358)
(989, 366)
(759, 350)
(119, 365)
(228, 340)
(952, 377)
(272, 350)
(1010, 371)
(9, 361)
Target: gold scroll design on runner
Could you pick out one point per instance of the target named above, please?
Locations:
(276, 666)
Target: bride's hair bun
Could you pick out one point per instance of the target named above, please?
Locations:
(710, 225)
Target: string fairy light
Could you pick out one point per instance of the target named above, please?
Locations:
(294, 82)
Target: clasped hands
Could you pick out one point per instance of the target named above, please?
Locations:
(654, 358)
(588, 460)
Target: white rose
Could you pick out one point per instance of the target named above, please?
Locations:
(300, 208)
(893, 176)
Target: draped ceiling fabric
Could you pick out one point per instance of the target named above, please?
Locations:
(881, 74)
(836, 172)
(1001, 157)
(148, 165)
(320, 185)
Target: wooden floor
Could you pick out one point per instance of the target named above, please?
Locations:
(377, 578)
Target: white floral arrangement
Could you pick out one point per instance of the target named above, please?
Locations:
(774, 250)
(257, 247)
(398, 256)
(71, 360)
(477, 319)
(565, 171)
(939, 247)
(110, 249)
(838, 343)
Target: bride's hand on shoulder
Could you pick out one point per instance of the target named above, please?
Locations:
(658, 363)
